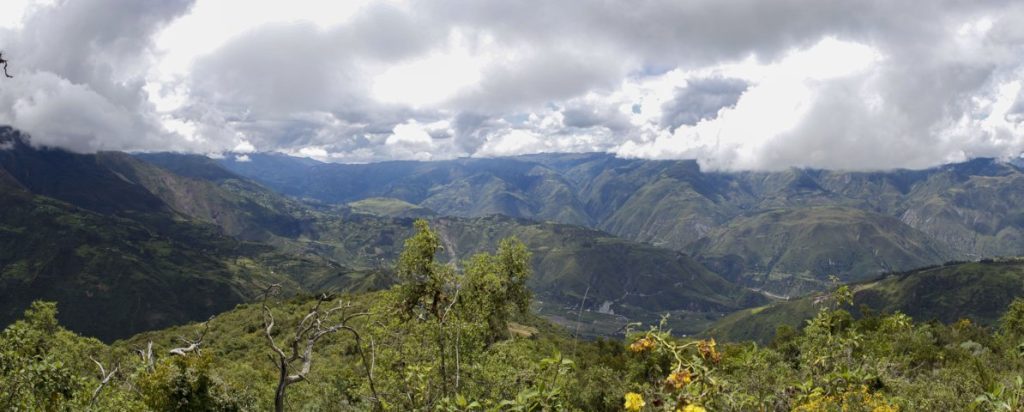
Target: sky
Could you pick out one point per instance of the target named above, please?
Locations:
(735, 84)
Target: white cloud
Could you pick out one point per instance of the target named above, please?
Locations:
(244, 147)
(738, 85)
(511, 143)
(431, 79)
(411, 133)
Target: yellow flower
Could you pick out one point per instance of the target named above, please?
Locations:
(692, 408)
(707, 350)
(634, 402)
(642, 344)
(679, 379)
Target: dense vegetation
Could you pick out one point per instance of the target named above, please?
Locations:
(460, 338)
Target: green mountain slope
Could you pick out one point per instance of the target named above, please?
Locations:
(390, 207)
(792, 251)
(116, 276)
(121, 267)
(975, 207)
(980, 291)
(622, 280)
(197, 187)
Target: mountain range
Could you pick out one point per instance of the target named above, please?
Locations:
(153, 240)
(130, 243)
(783, 232)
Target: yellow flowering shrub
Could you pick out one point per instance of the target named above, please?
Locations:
(708, 352)
(675, 375)
(634, 402)
(859, 399)
(642, 345)
(678, 379)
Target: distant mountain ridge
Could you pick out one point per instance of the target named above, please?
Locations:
(959, 211)
(128, 243)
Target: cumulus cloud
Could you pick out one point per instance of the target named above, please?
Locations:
(737, 84)
(79, 70)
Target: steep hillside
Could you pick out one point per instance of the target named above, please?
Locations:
(390, 207)
(78, 230)
(793, 251)
(116, 275)
(975, 207)
(621, 280)
(980, 291)
(197, 187)
(78, 180)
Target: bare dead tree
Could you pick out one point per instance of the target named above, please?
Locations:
(314, 326)
(4, 62)
(147, 355)
(104, 379)
(191, 345)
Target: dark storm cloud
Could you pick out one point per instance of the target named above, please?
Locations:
(472, 129)
(701, 99)
(1018, 104)
(580, 118)
(582, 115)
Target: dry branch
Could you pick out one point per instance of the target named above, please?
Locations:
(191, 345)
(104, 379)
(299, 347)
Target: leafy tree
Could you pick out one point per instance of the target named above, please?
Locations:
(185, 384)
(426, 284)
(34, 370)
(1011, 325)
(496, 286)
(460, 314)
